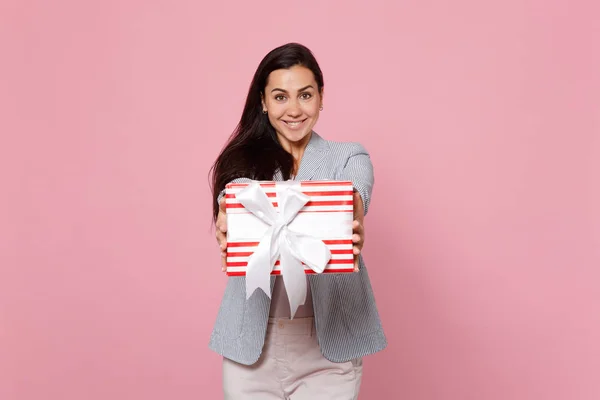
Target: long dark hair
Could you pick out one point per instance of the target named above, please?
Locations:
(253, 150)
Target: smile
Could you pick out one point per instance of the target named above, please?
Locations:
(294, 124)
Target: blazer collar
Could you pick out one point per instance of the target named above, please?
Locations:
(312, 159)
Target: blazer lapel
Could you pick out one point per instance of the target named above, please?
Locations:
(313, 157)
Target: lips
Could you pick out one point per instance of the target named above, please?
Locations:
(294, 124)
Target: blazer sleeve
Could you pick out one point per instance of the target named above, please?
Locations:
(236, 180)
(359, 170)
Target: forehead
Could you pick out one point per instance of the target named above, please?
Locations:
(293, 78)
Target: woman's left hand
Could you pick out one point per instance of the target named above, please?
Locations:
(358, 230)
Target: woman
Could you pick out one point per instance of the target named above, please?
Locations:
(318, 354)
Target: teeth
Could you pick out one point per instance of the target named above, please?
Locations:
(294, 123)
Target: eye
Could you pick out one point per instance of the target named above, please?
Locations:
(279, 97)
(305, 96)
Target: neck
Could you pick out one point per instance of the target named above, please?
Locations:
(296, 149)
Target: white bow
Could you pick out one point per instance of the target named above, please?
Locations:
(292, 248)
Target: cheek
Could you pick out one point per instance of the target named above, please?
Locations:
(275, 110)
(273, 121)
(275, 114)
(312, 110)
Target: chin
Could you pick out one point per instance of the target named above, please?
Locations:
(295, 137)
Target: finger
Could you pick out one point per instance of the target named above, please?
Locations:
(357, 229)
(222, 222)
(221, 233)
(358, 236)
(222, 241)
(222, 217)
(357, 226)
(359, 210)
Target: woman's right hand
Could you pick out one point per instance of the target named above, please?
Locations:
(221, 233)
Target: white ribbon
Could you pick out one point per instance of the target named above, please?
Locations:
(279, 242)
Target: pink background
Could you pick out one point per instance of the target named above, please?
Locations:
(482, 119)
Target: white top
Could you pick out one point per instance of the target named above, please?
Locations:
(280, 305)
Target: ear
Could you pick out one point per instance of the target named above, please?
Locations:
(321, 95)
(262, 101)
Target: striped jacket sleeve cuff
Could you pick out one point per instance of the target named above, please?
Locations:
(236, 180)
(359, 170)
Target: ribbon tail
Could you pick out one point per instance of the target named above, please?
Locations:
(258, 272)
(294, 279)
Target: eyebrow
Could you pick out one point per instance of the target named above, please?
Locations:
(285, 91)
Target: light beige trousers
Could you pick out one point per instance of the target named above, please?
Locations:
(292, 367)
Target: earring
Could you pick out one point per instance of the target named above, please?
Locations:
(321, 108)
(264, 111)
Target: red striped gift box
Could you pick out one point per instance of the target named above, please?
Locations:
(327, 216)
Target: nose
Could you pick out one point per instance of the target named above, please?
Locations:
(294, 109)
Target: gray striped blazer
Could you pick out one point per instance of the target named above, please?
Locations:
(346, 317)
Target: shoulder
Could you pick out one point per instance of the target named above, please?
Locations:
(346, 149)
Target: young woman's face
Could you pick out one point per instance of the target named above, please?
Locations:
(292, 101)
